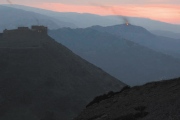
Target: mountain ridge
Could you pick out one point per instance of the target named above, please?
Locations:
(166, 34)
(143, 37)
(122, 58)
(79, 19)
(14, 17)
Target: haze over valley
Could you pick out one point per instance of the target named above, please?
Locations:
(83, 60)
(127, 60)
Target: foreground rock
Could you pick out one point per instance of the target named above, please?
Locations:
(152, 101)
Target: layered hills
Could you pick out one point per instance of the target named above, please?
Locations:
(80, 19)
(143, 37)
(124, 59)
(169, 34)
(41, 79)
(14, 17)
(152, 101)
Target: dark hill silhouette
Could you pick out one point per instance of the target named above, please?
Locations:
(122, 58)
(41, 79)
(152, 101)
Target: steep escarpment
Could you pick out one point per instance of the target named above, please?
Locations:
(41, 79)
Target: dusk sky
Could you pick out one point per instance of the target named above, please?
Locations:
(162, 10)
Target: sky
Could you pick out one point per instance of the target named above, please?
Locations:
(162, 10)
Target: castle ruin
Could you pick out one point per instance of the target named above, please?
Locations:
(34, 28)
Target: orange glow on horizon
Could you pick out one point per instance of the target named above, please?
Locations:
(127, 23)
(161, 12)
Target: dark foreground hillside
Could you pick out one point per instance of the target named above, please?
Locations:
(43, 80)
(152, 101)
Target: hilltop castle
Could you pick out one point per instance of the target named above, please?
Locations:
(38, 29)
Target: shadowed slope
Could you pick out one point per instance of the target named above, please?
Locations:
(41, 79)
(152, 101)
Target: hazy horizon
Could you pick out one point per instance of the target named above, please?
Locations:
(165, 11)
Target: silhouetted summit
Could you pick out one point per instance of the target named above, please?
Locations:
(143, 37)
(123, 29)
(41, 79)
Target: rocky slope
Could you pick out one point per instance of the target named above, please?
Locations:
(152, 101)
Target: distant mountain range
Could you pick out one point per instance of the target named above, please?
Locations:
(166, 34)
(87, 20)
(152, 101)
(143, 37)
(12, 18)
(26, 16)
(41, 79)
(126, 60)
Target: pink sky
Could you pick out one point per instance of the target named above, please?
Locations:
(162, 12)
